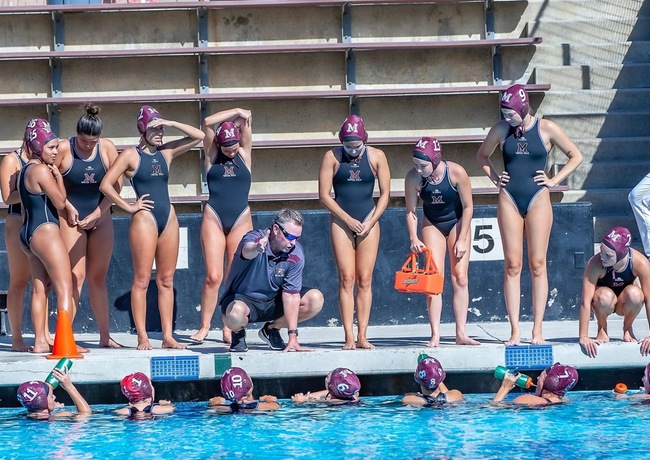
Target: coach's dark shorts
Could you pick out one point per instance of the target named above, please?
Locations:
(260, 310)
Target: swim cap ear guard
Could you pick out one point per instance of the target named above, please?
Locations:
(516, 98)
(33, 395)
(136, 387)
(560, 379)
(429, 373)
(618, 239)
(428, 149)
(353, 129)
(38, 133)
(145, 116)
(342, 383)
(227, 134)
(235, 384)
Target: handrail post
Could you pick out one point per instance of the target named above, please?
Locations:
(350, 58)
(490, 34)
(56, 72)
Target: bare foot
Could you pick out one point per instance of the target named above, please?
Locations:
(466, 341)
(363, 343)
(226, 335)
(81, 349)
(538, 341)
(172, 343)
(20, 345)
(514, 340)
(200, 335)
(109, 344)
(602, 336)
(628, 336)
(41, 347)
(350, 346)
(433, 343)
(144, 344)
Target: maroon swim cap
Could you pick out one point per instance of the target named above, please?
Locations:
(227, 134)
(516, 98)
(353, 129)
(136, 387)
(429, 373)
(560, 379)
(33, 395)
(38, 133)
(429, 149)
(618, 239)
(146, 114)
(235, 384)
(342, 383)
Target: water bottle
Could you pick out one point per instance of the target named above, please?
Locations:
(523, 381)
(620, 388)
(64, 366)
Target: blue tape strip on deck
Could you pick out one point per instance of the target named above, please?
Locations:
(529, 357)
(175, 368)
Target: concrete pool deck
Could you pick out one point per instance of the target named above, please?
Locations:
(397, 348)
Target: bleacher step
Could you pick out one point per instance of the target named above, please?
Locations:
(605, 201)
(615, 149)
(563, 54)
(562, 10)
(576, 77)
(602, 223)
(618, 124)
(577, 102)
(592, 30)
(608, 174)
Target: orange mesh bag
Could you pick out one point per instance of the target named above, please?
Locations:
(427, 280)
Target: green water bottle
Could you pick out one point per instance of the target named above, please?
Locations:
(523, 381)
(64, 366)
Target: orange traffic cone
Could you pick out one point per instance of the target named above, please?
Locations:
(64, 344)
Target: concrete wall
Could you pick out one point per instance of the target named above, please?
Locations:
(570, 247)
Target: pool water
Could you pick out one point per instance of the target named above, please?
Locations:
(594, 425)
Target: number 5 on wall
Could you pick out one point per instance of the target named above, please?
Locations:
(486, 240)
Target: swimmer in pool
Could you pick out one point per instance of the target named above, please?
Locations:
(552, 384)
(342, 386)
(237, 390)
(139, 391)
(433, 392)
(39, 399)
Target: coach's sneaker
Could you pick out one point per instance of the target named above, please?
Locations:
(238, 341)
(272, 337)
